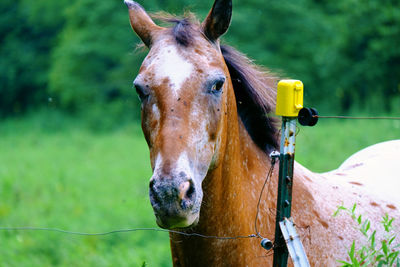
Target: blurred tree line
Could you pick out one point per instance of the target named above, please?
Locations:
(80, 54)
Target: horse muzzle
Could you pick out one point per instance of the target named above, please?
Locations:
(174, 200)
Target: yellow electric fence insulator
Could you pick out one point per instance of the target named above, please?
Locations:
(289, 99)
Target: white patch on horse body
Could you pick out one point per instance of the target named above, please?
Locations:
(374, 169)
(170, 64)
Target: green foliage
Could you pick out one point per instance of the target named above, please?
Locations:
(345, 52)
(372, 252)
(27, 32)
(92, 64)
(81, 53)
(366, 47)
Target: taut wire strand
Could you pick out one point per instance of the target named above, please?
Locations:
(356, 118)
(123, 231)
(256, 235)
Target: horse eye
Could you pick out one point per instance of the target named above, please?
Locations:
(216, 88)
(141, 92)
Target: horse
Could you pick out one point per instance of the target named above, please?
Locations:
(206, 117)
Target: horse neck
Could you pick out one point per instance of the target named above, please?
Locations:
(231, 192)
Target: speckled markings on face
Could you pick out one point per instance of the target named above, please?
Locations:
(170, 64)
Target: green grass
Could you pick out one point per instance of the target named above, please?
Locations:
(57, 172)
(75, 179)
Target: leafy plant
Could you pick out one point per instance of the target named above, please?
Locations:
(372, 252)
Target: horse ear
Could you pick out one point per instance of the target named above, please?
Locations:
(218, 20)
(141, 22)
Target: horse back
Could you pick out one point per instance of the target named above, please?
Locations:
(375, 169)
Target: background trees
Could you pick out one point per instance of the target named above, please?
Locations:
(80, 54)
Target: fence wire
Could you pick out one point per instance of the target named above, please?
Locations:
(356, 118)
(28, 228)
(189, 234)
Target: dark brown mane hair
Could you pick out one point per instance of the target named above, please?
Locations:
(183, 28)
(254, 87)
(255, 98)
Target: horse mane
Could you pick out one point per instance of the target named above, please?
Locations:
(255, 98)
(253, 86)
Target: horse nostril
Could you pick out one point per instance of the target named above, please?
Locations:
(151, 185)
(186, 190)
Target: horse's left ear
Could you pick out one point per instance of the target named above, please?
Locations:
(218, 20)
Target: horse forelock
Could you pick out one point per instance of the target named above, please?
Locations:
(183, 29)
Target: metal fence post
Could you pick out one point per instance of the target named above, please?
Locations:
(289, 102)
(285, 182)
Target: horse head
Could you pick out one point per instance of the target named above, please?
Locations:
(183, 86)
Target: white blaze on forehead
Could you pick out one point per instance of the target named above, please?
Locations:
(170, 64)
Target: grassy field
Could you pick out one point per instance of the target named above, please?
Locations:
(56, 172)
(75, 179)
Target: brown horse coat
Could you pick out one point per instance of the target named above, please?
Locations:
(203, 117)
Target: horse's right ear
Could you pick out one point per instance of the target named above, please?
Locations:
(141, 22)
(218, 20)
